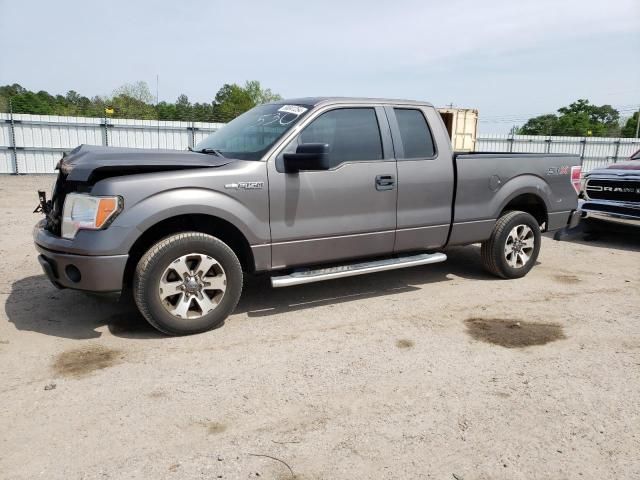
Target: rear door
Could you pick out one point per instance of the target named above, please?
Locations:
(347, 211)
(425, 177)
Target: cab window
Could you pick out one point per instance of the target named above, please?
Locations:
(353, 135)
(415, 133)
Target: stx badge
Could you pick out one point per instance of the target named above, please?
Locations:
(558, 171)
(245, 186)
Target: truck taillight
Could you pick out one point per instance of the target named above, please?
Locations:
(576, 173)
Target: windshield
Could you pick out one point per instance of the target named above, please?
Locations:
(249, 136)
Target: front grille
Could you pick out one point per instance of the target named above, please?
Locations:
(616, 190)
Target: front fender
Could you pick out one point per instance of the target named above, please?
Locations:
(250, 219)
(152, 198)
(119, 237)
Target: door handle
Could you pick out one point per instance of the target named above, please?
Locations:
(385, 182)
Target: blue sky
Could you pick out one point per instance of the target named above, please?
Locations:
(509, 59)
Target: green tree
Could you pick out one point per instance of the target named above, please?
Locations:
(204, 112)
(135, 100)
(232, 100)
(183, 108)
(583, 119)
(132, 100)
(579, 119)
(138, 91)
(630, 127)
(7, 92)
(129, 107)
(76, 104)
(98, 104)
(258, 94)
(541, 125)
(40, 103)
(166, 111)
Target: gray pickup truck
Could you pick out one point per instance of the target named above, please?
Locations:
(307, 189)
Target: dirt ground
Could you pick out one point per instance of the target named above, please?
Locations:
(436, 372)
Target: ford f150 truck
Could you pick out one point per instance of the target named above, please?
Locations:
(307, 189)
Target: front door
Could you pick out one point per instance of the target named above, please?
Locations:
(348, 211)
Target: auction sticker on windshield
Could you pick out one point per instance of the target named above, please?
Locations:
(295, 109)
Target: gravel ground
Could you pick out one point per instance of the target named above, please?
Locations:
(433, 372)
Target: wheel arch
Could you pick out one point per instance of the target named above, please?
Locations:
(526, 193)
(530, 203)
(194, 222)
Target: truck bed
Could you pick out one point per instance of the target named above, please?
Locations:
(486, 182)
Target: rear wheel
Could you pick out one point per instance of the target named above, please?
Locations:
(187, 283)
(512, 249)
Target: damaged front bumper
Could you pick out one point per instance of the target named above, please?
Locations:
(93, 273)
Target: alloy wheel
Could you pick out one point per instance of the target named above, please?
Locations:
(192, 286)
(519, 246)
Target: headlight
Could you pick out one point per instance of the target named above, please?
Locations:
(82, 211)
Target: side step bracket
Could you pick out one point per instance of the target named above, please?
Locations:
(352, 269)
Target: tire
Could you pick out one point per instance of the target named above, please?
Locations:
(187, 283)
(502, 255)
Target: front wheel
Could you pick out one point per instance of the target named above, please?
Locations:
(512, 249)
(187, 283)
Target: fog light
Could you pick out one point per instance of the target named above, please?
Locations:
(72, 273)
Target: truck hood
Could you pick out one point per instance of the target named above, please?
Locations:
(90, 163)
(620, 169)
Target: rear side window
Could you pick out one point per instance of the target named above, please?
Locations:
(414, 133)
(352, 134)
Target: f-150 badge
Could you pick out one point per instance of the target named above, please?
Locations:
(245, 186)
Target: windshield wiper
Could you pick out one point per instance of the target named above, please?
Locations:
(214, 151)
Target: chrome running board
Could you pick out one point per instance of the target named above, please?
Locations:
(350, 270)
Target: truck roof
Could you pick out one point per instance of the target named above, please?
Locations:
(314, 101)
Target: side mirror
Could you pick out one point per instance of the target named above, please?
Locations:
(308, 156)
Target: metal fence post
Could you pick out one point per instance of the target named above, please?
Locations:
(12, 139)
(105, 132)
(615, 155)
(192, 134)
(584, 147)
(548, 147)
